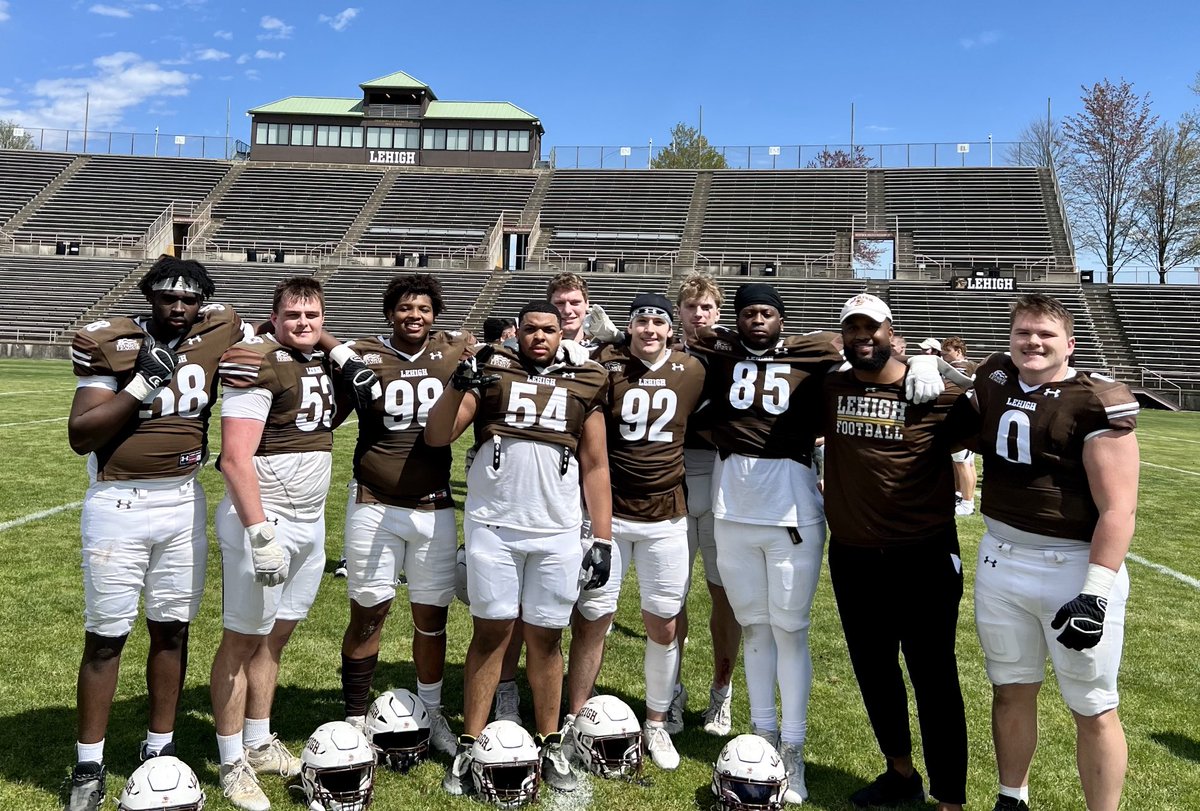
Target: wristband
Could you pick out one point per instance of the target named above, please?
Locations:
(340, 354)
(1099, 580)
(602, 541)
(140, 388)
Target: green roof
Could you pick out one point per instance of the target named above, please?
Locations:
(444, 110)
(399, 79)
(503, 110)
(312, 105)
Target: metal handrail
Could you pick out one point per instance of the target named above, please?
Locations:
(1141, 373)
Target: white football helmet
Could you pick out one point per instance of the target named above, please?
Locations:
(398, 728)
(337, 768)
(749, 775)
(162, 783)
(608, 737)
(460, 576)
(506, 765)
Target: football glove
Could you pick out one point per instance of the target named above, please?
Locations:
(923, 382)
(597, 565)
(152, 369)
(469, 374)
(1082, 621)
(572, 352)
(363, 382)
(270, 568)
(597, 324)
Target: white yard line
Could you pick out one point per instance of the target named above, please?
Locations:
(25, 519)
(1175, 469)
(35, 391)
(1158, 567)
(32, 422)
(1166, 437)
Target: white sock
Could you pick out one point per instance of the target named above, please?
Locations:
(1021, 793)
(430, 694)
(89, 752)
(229, 748)
(795, 682)
(970, 502)
(155, 741)
(723, 692)
(660, 665)
(256, 732)
(760, 659)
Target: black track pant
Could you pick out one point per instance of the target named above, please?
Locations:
(905, 598)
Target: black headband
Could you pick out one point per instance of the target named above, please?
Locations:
(757, 293)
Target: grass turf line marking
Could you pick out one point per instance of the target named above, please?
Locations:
(25, 519)
(1175, 469)
(32, 422)
(34, 391)
(1158, 567)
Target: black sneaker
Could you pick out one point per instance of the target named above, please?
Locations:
(145, 753)
(340, 569)
(556, 770)
(890, 789)
(1006, 803)
(87, 786)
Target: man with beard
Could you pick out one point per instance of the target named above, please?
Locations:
(889, 501)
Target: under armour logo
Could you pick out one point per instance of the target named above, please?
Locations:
(992, 561)
(570, 375)
(195, 339)
(676, 367)
(124, 504)
(1052, 392)
(435, 355)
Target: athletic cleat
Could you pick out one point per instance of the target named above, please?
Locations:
(87, 786)
(674, 722)
(659, 747)
(792, 755)
(241, 788)
(1006, 803)
(556, 769)
(569, 733)
(145, 753)
(340, 569)
(964, 508)
(771, 736)
(507, 706)
(890, 789)
(718, 720)
(273, 758)
(359, 722)
(458, 775)
(440, 736)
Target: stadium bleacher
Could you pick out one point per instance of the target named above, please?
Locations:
(23, 175)
(42, 296)
(1162, 325)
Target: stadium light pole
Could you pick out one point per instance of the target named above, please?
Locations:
(989, 150)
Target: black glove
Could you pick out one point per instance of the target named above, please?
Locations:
(363, 383)
(1084, 621)
(469, 376)
(597, 565)
(155, 363)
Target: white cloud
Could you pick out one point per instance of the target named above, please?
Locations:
(110, 11)
(878, 128)
(981, 40)
(121, 82)
(275, 28)
(252, 75)
(211, 55)
(225, 35)
(339, 21)
(261, 54)
(3, 10)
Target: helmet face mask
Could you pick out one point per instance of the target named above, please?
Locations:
(337, 768)
(608, 738)
(398, 729)
(749, 775)
(506, 765)
(162, 783)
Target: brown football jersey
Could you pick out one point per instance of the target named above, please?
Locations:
(1032, 446)
(392, 463)
(965, 366)
(888, 474)
(539, 405)
(766, 405)
(169, 435)
(302, 404)
(647, 416)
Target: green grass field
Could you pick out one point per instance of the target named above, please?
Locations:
(41, 640)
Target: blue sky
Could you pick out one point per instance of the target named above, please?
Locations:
(602, 73)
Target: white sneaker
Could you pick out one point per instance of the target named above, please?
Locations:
(659, 746)
(507, 706)
(241, 788)
(457, 780)
(359, 722)
(273, 758)
(440, 736)
(674, 722)
(770, 736)
(965, 508)
(570, 740)
(792, 755)
(718, 720)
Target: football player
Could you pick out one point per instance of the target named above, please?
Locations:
(954, 352)
(1060, 493)
(583, 322)
(652, 392)
(769, 524)
(889, 504)
(700, 301)
(276, 455)
(140, 411)
(400, 516)
(498, 329)
(539, 446)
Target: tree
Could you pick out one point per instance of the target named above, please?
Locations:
(10, 140)
(841, 159)
(688, 150)
(1040, 143)
(1168, 203)
(1108, 140)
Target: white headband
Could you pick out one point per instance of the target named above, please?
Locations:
(177, 284)
(652, 312)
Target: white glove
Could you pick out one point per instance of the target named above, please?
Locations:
(923, 382)
(572, 352)
(597, 324)
(270, 568)
(955, 376)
